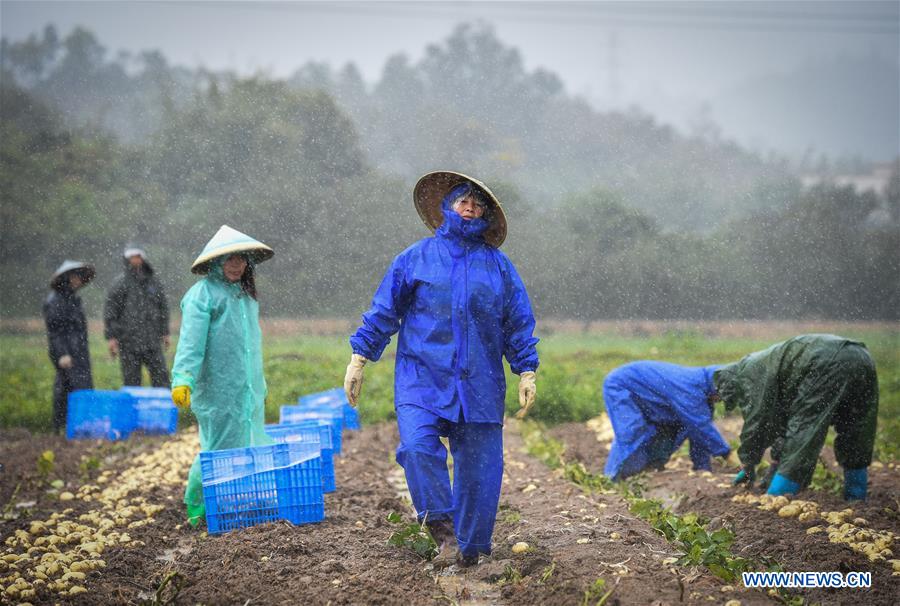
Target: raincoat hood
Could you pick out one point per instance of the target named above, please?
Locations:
(430, 195)
(131, 251)
(455, 227)
(61, 275)
(246, 284)
(228, 241)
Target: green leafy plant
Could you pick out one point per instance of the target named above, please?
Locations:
(825, 479)
(88, 464)
(689, 533)
(511, 576)
(412, 536)
(512, 517)
(547, 573)
(596, 594)
(45, 464)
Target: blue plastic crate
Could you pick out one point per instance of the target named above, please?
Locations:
(297, 414)
(100, 414)
(155, 411)
(336, 398)
(310, 431)
(243, 487)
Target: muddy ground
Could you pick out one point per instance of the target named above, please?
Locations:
(574, 538)
(763, 534)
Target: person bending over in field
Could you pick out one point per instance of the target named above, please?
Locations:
(654, 407)
(218, 368)
(790, 394)
(460, 307)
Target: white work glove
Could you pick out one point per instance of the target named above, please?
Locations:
(353, 380)
(65, 362)
(527, 392)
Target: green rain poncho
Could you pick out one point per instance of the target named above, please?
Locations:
(220, 358)
(795, 390)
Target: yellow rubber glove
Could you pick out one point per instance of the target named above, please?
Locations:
(527, 392)
(353, 380)
(181, 396)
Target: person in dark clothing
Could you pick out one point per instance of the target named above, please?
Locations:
(136, 320)
(67, 339)
(789, 395)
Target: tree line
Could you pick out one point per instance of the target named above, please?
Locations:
(611, 215)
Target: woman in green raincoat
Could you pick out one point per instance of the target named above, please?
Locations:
(218, 369)
(790, 394)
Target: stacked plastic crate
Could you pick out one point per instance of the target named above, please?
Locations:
(335, 398)
(94, 413)
(156, 414)
(244, 487)
(299, 414)
(310, 431)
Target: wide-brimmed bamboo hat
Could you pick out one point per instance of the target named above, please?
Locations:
(86, 270)
(229, 241)
(433, 187)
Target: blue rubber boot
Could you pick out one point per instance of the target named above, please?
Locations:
(856, 484)
(781, 485)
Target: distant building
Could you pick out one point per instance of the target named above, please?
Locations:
(876, 180)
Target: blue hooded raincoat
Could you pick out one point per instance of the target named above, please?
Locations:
(654, 407)
(460, 307)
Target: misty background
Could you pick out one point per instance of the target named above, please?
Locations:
(656, 160)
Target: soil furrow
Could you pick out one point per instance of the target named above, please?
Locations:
(760, 534)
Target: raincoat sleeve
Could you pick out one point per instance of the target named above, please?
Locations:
(56, 321)
(518, 323)
(752, 385)
(389, 306)
(196, 312)
(112, 310)
(699, 456)
(757, 433)
(705, 442)
(705, 439)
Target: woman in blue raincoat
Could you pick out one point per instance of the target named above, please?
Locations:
(218, 369)
(654, 407)
(459, 306)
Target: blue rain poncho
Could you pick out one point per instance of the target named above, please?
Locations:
(460, 307)
(654, 407)
(219, 357)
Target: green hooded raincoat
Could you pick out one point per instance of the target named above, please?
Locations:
(220, 358)
(795, 390)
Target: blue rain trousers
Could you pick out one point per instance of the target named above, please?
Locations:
(654, 407)
(477, 450)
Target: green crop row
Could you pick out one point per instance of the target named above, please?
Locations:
(569, 382)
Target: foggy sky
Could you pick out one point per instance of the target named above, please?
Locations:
(673, 59)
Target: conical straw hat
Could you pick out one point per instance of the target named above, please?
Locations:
(85, 269)
(433, 187)
(229, 241)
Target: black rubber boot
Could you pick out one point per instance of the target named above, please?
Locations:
(443, 534)
(466, 561)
